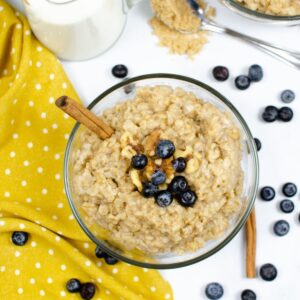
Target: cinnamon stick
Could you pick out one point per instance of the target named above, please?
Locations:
(84, 116)
(251, 245)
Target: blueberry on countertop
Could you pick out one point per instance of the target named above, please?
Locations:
(19, 238)
(289, 189)
(256, 73)
(73, 285)
(99, 252)
(187, 199)
(165, 149)
(178, 185)
(270, 114)
(139, 161)
(257, 143)
(281, 228)
(158, 177)
(287, 206)
(248, 295)
(214, 291)
(149, 190)
(242, 82)
(268, 272)
(163, 198)
(110, 260)
(267, 193)
(120, 71)
(87, 290)
(287, 96)
(220, 73)
(179, 164)
(285, 114)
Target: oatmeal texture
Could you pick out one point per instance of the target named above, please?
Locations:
(273, 7)
(201, 132)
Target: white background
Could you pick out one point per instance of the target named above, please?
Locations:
(279, 157)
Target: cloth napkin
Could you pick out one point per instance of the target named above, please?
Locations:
(33, 136)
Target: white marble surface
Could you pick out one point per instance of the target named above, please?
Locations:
(279, 157)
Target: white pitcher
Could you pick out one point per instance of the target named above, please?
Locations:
(78, 29)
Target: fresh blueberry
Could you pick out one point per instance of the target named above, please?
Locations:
(289, 189)
(87, 291)
(242, 82)
(285, 114)
(120, 71)
(281, 228)
(256, 73)
(187, 198)
(178, 185)
(110, 260)
(257, 143)
(19, 238)
(158, 177)
(267, 193)
(268, 272)
(139, 161)
(214, 291)
(248, 295)
(220, 73)
(99, 252)
(179, 164)
(149, 190)
(287, 206)
(270, 114)
(165, 149)
(163, 198)
(73, 285)
(287, 96)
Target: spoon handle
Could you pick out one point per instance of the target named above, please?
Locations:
(288, 56)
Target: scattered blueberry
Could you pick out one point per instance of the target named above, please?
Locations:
(257, 143)
(268, 272)
(289, 189)
(19, 238)
(165, 149)
(178, 185)
(99, 252)
(110, 260)
(256, 73)
(73, 285)
(214, 291)
(287, 96)
(242, 82)
(248, 295)
(267, 193)
(187, 198)
(87, 291)
(287, 206)
(281, 228)
(270, 114)
(139, 161)
(285, 114)
(220, 73)
(120, 71)
(179, 164)
(149, 190)
(163, 198)
(158, 177)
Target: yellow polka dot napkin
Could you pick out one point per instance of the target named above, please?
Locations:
(33, 136)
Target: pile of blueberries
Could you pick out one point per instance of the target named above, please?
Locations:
(178, 188)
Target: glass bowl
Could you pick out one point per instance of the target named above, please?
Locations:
(125, 91)
(261, 17)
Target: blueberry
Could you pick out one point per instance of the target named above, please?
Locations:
(268, 272)
(163, 198)
(73, 285)
(220, 73)
(281, 228)
(87, 290)
(178, 185)
(187, 198)
(99, 252)
(287, 206)
(248, 295)
(285, 114)
(267, 193)
(289, 189)
(149, 190)
(287, 96)
(257, 143)
(110, 260)
(158, 177)
(139, 161)
(165, 149)
(179, 164)
(256, 73)
(214, 291)
(19, 238)
(270, 114)
(242, 82)
(120, 71)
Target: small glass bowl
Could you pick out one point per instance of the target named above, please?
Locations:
(125, 91)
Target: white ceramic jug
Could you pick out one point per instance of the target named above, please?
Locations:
(78, 29)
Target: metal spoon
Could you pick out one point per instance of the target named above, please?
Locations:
(288, 56)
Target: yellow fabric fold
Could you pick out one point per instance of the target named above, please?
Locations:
(33, 136)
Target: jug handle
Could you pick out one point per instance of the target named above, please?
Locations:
(131, 3)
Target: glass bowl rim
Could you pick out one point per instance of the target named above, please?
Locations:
(252, 196)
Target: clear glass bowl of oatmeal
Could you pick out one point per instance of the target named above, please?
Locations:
(105, 193)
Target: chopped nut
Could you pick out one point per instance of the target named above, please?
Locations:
(192, 166)
(151, 141)
(135, 178)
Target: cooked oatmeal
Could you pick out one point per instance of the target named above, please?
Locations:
(110, 194)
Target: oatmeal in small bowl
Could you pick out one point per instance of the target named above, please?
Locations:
(176, 180)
